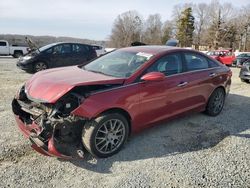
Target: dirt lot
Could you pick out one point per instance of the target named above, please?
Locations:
(194, 151)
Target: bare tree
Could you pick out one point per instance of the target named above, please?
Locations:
(153, 30)
(168, 31)
(178, 9)
(217, 24)
(201, 14)
(243, 24)
(127, 28)
(219, 15)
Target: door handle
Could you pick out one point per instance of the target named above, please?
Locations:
(212, 74)
(182, 84)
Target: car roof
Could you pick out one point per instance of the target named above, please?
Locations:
(222, 50)
(56, 43)
(245, 53)
(152, 49)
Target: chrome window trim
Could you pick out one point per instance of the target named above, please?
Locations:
(194, 71)
(119, 87)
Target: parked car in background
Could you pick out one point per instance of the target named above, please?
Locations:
(226, 57)
(99, 50)
(56, 55)
(240, 59)
(14, 50)
(67, 110)
(245, 71)
(109, 49)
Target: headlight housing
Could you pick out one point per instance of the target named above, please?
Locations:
(25, 58)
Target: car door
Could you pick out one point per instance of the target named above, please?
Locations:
(200, 76)
(4, 48)
(163, 99)
(227, 58)
(61, 56)
(79, 54)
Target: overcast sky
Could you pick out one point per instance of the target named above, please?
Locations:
(92, 19)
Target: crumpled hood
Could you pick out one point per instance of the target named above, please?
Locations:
(49, 85)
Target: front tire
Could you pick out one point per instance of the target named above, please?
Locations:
(39, 66)
(105, 135)
(216, 102)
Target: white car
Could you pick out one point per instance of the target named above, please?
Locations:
(99, 50)
(13, 50)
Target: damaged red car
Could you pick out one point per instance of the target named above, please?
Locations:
(66, 112)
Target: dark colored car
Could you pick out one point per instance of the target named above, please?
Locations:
(240, 59)
(96, 107)
(56, 55)
(245, 71)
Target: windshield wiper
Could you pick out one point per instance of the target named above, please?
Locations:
(99, 72)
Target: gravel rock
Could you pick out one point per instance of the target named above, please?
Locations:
(193, 151)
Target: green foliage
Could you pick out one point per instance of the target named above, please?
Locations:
(185, 28)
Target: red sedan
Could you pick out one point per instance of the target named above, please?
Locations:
(226, 57)
(95, 107)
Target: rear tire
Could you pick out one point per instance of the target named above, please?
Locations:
(17, 54)
(105, 135)
(216, 102)
(39, 66)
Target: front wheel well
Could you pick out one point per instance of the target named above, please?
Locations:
(18, 51)
(120, 111)
(215, 89)
(221, 88)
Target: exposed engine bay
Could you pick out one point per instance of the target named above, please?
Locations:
(55, 125)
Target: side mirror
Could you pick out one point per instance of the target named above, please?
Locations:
(153, 77)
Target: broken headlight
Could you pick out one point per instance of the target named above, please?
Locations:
(67, 104)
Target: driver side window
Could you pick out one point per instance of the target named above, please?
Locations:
(62, 49)
(169, 65)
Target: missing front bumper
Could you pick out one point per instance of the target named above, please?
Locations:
(62, 140)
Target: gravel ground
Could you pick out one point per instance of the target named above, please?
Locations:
(193, 151)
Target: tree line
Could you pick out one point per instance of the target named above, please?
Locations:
(204, 26)
(15, 39)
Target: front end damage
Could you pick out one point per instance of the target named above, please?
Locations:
(52, 129)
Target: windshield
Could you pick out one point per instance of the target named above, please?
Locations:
(119, 64)
(46, 47)
(244, 55)
(214, 53)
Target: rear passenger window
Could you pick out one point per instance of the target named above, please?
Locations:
(77, 48)
(169, 65)
(212, 63)
(195, 62)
